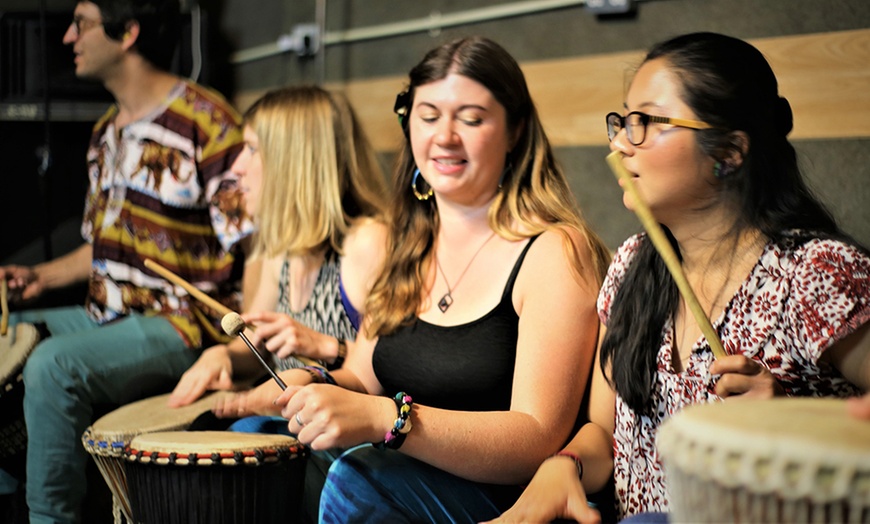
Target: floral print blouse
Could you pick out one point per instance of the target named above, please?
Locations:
(800, 298)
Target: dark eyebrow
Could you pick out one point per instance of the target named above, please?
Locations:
(643, 106)
(461, 108)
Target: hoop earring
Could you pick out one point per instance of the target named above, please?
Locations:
(420, 196)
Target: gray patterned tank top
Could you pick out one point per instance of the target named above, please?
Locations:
(324, 311)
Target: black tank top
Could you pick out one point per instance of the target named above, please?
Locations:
(469, 367)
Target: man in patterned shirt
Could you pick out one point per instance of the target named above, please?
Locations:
(158, 166)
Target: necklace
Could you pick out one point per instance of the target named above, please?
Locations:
(447, 299)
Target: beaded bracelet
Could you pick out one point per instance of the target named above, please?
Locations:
(576, 458)
(320, 375)
(395, 437)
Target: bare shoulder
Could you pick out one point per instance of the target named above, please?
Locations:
(364, 251)
(561, 254)
(366, 238)
(557, 244)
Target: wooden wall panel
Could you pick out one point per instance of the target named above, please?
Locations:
(573, 95)
(825, 76)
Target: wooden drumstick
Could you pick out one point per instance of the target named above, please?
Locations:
(666, 250)
(190, 288)
(205, 299)
(4, 308)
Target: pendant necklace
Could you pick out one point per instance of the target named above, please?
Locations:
(447, 300)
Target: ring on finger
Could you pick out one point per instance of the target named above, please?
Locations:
(298, 420)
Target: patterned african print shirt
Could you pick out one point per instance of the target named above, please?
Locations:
(799, 299)
(160, 188)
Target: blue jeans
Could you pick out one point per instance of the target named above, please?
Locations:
(315, 469)
(81, 365)
(369, 485)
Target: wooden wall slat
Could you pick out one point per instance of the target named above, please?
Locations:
(825, 76)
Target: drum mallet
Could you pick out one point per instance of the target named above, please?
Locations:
(205, 299)
(234, 325)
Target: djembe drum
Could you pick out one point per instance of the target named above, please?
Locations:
(106, 439)
(215, 477)
(15, 347)
(782, 460)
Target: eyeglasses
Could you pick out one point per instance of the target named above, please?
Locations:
(635, 124)
(83, 25)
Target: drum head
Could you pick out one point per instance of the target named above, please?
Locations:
(150, 415)
(210, 447)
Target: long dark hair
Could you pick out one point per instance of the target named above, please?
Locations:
(728, 84)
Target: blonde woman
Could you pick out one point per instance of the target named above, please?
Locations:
(314, 186)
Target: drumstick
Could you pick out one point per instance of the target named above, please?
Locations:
(190, 288)
(205, 299)
(666, 250)
(234, 326)
(4, 308)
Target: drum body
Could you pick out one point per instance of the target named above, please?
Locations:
(781, 460)
(107, 438)
(215, 477)
(15, 347)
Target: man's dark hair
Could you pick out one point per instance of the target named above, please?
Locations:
(159, 26)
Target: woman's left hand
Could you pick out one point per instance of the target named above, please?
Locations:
(325, 416)
(744, 376)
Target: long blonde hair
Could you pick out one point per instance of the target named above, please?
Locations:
(534, 195)
(320, 171)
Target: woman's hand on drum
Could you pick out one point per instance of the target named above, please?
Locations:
(212, 370)
(285, 337)
(741, 375)
(257, 401)
(325, 416)
(554, 492)
(23, 282)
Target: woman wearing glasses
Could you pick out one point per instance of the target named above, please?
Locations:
(704, 135)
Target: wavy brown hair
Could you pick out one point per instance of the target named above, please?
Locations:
(533, 198)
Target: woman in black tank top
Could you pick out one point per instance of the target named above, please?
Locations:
(479, 332)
